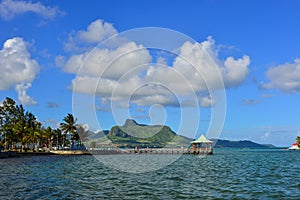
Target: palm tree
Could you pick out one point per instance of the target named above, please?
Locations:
(20, 133)
(83, 133)
(18, 126)
(58, 137)
(69, 126)
(298, 141)
(48, 136)
(8, 120)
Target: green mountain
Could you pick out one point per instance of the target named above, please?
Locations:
(132, 134)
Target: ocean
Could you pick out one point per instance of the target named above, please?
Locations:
(227, 174)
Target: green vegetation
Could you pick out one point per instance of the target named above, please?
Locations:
(298, 141)
(20, 130)
(69, 126)
(132, 134)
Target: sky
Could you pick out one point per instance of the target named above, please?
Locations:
(227, 69)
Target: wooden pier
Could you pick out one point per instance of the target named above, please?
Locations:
(116, 151)
(169, 151)
(199, 146)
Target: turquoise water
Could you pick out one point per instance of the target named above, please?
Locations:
(227, 174)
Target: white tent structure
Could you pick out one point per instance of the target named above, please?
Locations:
(202, 146)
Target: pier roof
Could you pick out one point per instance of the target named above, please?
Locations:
(201, 139)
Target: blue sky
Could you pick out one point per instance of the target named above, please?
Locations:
(255, 45)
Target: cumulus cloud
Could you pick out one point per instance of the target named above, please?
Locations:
(285, 77)
(17, 68)
(96, 32)
(154, 94)
(23, 97)
(235, 71)
(108, 63)
(125, 72)
(11, 8)
(16, 64)
(206, 101)
(199, 63)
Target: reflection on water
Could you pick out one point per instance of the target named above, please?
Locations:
(228, 174)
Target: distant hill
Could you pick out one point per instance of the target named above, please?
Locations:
(133, 134)
(218, 143)
(98, 134)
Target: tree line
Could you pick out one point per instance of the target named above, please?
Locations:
(20, 130)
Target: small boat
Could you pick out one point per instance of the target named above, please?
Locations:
(294, 147)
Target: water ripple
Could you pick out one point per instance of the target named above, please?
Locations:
(228, 174)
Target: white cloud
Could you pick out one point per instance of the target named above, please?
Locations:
(60, 61)
(125, 73)
(96, 32)
(206, 101)
(199, 63)
(267, 134)
(285, 78)
(198, 69)
(23, 97)
(11, 8)
(161, 60)
(235, 71)
(151, 94)
(160, 99)
(16, 64)
(17, 68)
(108, 63)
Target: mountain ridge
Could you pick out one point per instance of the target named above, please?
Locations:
(132, 134)
(220, 143)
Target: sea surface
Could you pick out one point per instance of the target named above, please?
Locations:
(227, 174)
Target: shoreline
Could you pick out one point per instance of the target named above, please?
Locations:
(13, 154)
